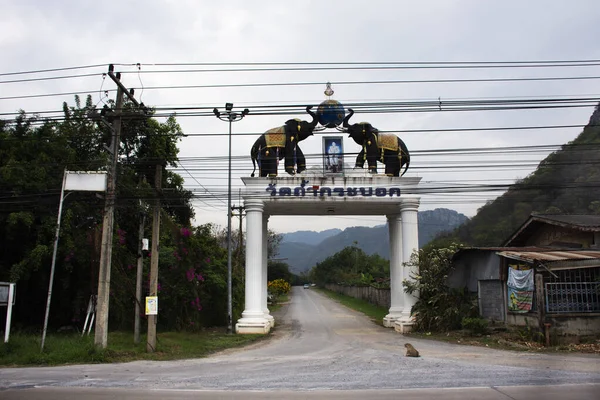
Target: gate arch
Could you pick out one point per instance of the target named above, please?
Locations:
(355, 193)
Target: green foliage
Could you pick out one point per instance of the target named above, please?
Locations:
(439, 308)
(34, 154)
(278, 270)
(477, 326)
(352, 266)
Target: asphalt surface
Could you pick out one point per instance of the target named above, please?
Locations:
(323, 347)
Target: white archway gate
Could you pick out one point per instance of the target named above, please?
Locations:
(356, 193)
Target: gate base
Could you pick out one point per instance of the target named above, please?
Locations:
(403, 327)
(261, 328)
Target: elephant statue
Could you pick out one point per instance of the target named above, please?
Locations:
(384, 147)
(280, 142)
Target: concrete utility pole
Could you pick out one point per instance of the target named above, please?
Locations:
(240, 209)
(101, 331)
(138, 282)
(151, 340)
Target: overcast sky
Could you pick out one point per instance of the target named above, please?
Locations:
(42, 34)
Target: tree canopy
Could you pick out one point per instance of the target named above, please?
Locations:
(35, 152)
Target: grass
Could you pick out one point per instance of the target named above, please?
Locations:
(278, 302)
(24, 350)
(376, 313)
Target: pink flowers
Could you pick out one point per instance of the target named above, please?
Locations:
(196, 304)
(176, 255)
(185, 232)
(191, 274)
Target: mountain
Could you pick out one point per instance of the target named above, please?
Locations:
(301, 256)
(309, 237)
(565, 182)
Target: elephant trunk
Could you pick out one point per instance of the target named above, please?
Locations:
(405, 155)
(347, 118)
(314, 121)
(254, 155)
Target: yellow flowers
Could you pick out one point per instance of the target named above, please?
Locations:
(278, 287)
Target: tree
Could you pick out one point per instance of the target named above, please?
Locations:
(439, 308)
(351, 266)
(33, 156)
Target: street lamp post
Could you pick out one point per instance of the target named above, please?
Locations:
(231, 117)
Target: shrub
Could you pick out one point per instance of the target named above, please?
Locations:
(278, 287)
(439, 307)
(477, 326)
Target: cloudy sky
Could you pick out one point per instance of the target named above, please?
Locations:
(202, 54)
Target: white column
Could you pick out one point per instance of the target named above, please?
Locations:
(265, 261)
(396, 273)
(253, 318)
(409, 208)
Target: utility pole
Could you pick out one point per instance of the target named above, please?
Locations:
(151, 339)
(138, 281)
(240, 209)
(101, 331)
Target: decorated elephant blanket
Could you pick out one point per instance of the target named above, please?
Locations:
(388, 141)
(275, 137)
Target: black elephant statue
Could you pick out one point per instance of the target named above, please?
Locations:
(282, 142)
(384, 147)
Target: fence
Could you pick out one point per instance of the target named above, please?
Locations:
(379, 297)
(573, 297)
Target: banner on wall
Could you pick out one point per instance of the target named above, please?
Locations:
(520, 290)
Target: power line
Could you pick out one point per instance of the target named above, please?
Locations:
(39, 71)
(338, 83)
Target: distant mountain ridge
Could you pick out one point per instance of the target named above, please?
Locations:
(310, 237)
(303, 249)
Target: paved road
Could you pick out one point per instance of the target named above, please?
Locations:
(323, 346)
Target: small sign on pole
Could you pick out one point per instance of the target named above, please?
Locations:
(152, 305)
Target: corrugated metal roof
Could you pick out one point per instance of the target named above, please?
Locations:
(552, 256)
(582, 221)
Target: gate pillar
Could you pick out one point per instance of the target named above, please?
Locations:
(409, 207)
(253, 318)
(396, 271)
(265, 263)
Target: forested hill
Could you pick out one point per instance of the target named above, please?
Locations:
(302, 250)
(565, 182)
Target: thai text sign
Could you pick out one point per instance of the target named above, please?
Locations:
(322, 191)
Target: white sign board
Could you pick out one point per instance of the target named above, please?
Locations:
(151, 305)
(86, 181)
(7, 298)
(4, 294)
